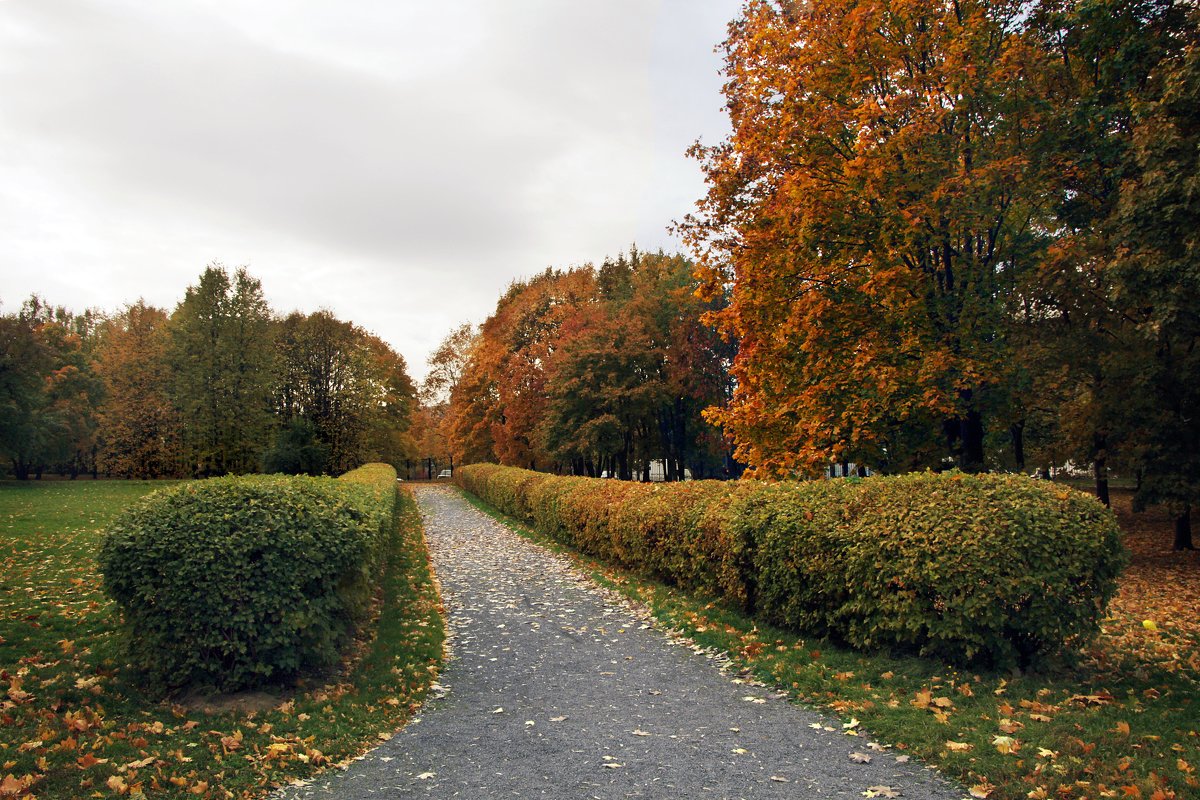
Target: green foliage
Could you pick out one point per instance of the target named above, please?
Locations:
(297, 450)
(990, 568)
(48, 390)
(223, 361)
(346, 386)
(236, 582)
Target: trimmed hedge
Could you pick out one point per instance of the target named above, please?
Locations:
(994, 569)
(234, 582)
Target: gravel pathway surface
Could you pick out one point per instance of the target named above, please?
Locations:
(557, 688)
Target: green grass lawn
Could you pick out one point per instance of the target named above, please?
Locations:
(76, 722)
(1121, 720)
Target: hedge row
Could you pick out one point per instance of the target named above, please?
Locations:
(233, 582)
(994, 569)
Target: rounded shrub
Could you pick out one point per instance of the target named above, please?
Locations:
(995, 569)
(233, 582)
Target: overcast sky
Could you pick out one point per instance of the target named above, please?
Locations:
(398, 162)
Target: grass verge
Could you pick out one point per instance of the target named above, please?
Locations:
(75, 722)
(1120, 721)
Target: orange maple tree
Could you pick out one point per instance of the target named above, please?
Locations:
(869, 217)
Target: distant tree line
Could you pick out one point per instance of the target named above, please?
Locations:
(219, 385)
(590, 371)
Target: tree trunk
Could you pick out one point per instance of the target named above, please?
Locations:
(972, 443)
(1183, 530)
(1101, 470)
(1018, 444)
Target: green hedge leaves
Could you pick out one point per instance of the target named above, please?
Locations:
(993, 569)
(234, 582)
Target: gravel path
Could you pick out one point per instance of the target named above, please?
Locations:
(556, 688)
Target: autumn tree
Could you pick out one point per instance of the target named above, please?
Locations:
(49, 391)
(633, 372)
(472, 409)
(508, 368)
(590, 370)
(447, 364)
(139, 425)
(223, 363)
(1078, 337)
(870, 217)
(342, 393)
(1156, 283)
(435, 422)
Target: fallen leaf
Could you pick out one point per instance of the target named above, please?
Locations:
(959, 747)
(779, 779)
(424, 776)
(881, 791)
(612, 765)
(1006, 744)
(11, 786)
(860, 758)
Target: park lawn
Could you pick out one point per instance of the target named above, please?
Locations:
(75, 722)
(1122, 719)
